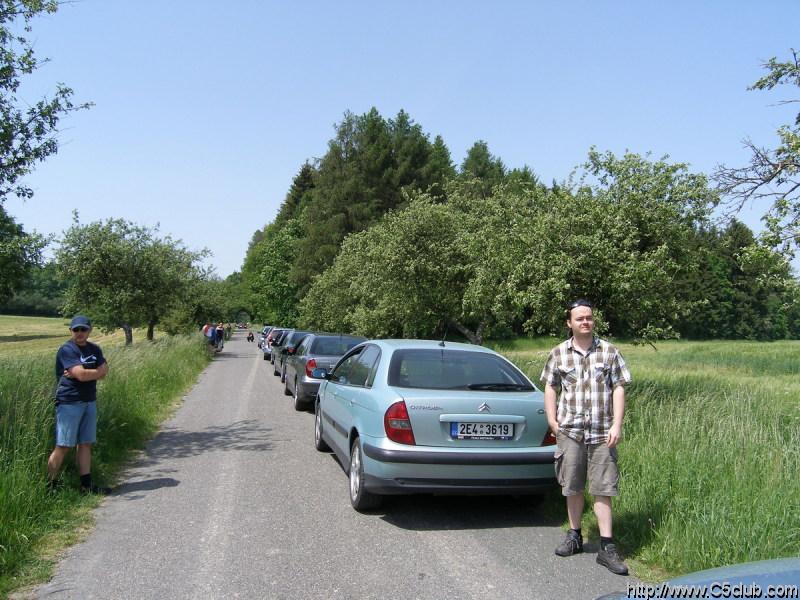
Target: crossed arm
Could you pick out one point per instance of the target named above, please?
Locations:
(80, 373)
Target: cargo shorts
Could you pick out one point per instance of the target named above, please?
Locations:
(575, 462)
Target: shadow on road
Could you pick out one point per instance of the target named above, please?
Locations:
(444, 513)
(145, 485)
(249, 434)
(227, 355)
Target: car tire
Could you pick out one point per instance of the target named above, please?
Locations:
(319, 443)
(265, 357)
(283, 373)
(299, 404)
(286, 391)
(275, 370)
(360, 499)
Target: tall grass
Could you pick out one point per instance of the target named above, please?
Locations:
(710, 463)
(139, 391)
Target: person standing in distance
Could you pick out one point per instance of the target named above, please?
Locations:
(79, 365)
(587, 376)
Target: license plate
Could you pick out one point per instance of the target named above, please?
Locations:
(482, 431)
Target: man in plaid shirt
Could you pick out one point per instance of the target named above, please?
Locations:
(587, 375)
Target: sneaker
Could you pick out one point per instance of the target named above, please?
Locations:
(572, 544)
(611, 560)
(96, 489)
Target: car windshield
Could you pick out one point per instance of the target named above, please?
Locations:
(334, 346)
(447, 369)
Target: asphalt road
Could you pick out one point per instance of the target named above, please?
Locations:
(231, 500)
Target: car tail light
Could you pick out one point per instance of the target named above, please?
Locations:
(310, 366)
(398, 425)
(549, 438)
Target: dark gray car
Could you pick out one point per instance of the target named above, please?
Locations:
(318, 350)
(287, 347)
(274, 341)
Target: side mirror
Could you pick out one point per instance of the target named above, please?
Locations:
(320, 373)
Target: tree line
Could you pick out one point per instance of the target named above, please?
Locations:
(385, 236)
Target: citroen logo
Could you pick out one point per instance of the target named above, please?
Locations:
(484, 408)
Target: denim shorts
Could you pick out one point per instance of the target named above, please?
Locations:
(76, 423)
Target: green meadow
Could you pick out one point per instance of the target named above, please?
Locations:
(23, 335)
(142, 387)
(710, 462)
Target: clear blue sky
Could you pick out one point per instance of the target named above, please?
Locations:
(204, 111)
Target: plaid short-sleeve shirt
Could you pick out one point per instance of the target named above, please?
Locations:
(585, 407)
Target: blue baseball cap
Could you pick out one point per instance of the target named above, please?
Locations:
(79, 321)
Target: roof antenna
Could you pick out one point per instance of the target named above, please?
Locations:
(446, 329)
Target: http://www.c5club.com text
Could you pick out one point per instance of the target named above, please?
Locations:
(719, 589)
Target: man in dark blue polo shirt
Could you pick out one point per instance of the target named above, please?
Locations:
(79, 364)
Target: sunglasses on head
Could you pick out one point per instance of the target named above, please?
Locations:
(80, 329)
(578, 303)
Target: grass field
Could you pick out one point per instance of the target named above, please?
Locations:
(45, 334)
(34, 523)
(710, 463)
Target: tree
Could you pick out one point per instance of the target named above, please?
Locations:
(168, 269)
(370, 166)
(19, 253)
(206, 300)
(123, 274)
(483, 166)
(27, 130)
(403, 276)
(620, 236)
(299, 194)
(773, 175)
(273, 296)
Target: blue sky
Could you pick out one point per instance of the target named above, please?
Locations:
(204, 111)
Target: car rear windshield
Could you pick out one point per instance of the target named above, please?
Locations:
(334, 345)
(295, 337)
(454, 370)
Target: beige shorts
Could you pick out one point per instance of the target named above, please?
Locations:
(576, 461)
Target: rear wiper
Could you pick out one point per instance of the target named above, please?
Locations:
(499, 386)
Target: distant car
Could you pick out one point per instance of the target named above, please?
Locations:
(316, 350)
(266, 345)
(777, 578)
(419, 416)
(262, 335)
(276, 343)
(288, 347)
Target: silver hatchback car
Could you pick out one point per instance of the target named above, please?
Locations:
(316, 350)
(411, 416)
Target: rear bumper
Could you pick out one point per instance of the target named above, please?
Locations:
(409, 485)
(425, 457)
(307, 387)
